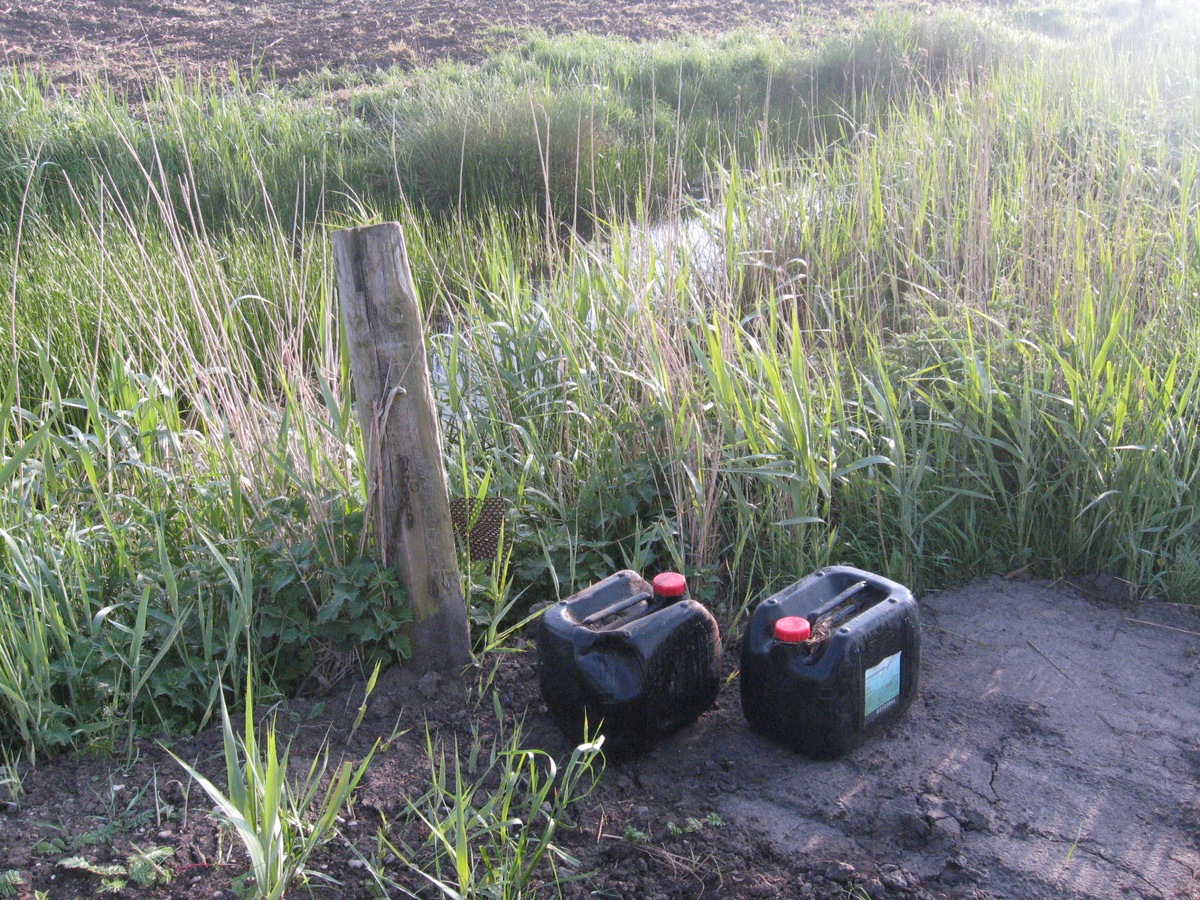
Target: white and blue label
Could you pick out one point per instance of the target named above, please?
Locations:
(882, 687)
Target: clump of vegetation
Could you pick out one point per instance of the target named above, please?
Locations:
(138, 575)
(279, 820)
(918, 301)
(144, 868)
(490, 818)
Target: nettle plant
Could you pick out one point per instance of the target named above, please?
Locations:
(320, 595)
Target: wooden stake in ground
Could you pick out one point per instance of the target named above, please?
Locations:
(408, 493)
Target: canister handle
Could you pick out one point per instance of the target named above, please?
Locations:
(837, 601)
(621, 606)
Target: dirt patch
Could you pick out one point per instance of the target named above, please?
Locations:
(1053, 751)
(130, 40)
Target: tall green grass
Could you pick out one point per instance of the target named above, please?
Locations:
(920, 301)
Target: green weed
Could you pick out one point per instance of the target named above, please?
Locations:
(142, 867)
(492, 823)
(279, 821)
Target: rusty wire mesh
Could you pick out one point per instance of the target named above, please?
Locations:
(479, 525)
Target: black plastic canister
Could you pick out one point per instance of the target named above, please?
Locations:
(830, 660)
(634, 661)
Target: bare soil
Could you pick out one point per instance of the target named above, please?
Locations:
(129, 40)
(1053, 752)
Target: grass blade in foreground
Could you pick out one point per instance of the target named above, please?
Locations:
(269, 812)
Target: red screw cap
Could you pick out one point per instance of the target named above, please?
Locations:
(792, 630)
(669, 585)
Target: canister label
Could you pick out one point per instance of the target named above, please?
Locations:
(882, 685)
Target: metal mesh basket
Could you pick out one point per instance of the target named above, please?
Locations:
(479, 524)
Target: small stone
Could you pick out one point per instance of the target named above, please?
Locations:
(841, 872)
(935, 807)
(355, 864)
(163, 836)
(428, 685)
(382, 707)
(957, 872)
(875, 888)
(946, 827)
(762, 890)
(894, 879)
(978, 820)
(927, 801)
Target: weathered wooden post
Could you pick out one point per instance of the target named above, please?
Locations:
(408, 492)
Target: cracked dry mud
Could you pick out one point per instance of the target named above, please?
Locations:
(1053, 751)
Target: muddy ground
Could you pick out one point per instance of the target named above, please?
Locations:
(1053, 752)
